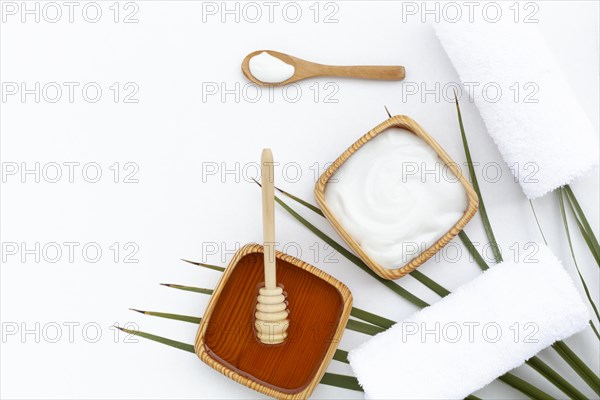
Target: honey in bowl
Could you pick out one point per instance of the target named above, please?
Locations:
(319, 308)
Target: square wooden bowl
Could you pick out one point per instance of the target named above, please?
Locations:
(403, 122)
(319, 309)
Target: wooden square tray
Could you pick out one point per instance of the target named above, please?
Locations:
(403, 122)
(319, 309)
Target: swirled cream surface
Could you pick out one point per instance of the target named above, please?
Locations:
(395, 197)
(269, 69)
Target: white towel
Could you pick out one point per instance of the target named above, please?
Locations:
(520, 308)
(547, 143)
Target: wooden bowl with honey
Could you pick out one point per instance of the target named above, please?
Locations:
(319, 307)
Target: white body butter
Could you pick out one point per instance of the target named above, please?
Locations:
(395, 197)
(269, 69)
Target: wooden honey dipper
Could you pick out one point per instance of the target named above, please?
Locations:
(271, 308)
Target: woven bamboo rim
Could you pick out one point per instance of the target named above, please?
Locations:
(404, 122)
(304, 393)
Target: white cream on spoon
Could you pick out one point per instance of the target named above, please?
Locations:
(269, 69)
(395, 197)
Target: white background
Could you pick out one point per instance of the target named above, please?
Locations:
(173, 135)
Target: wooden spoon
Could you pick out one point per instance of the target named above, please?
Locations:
(306, 69)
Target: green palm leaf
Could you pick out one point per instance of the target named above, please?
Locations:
(566, 224)
(583, 224)
(482, 211)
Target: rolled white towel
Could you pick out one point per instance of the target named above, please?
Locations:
(504, 317)
(546, 144)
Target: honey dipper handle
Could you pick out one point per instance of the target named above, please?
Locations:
(268, 212)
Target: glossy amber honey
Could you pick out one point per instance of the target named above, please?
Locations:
(317, 309)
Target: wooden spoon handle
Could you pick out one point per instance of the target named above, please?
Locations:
(268, 212)
(389, 73)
